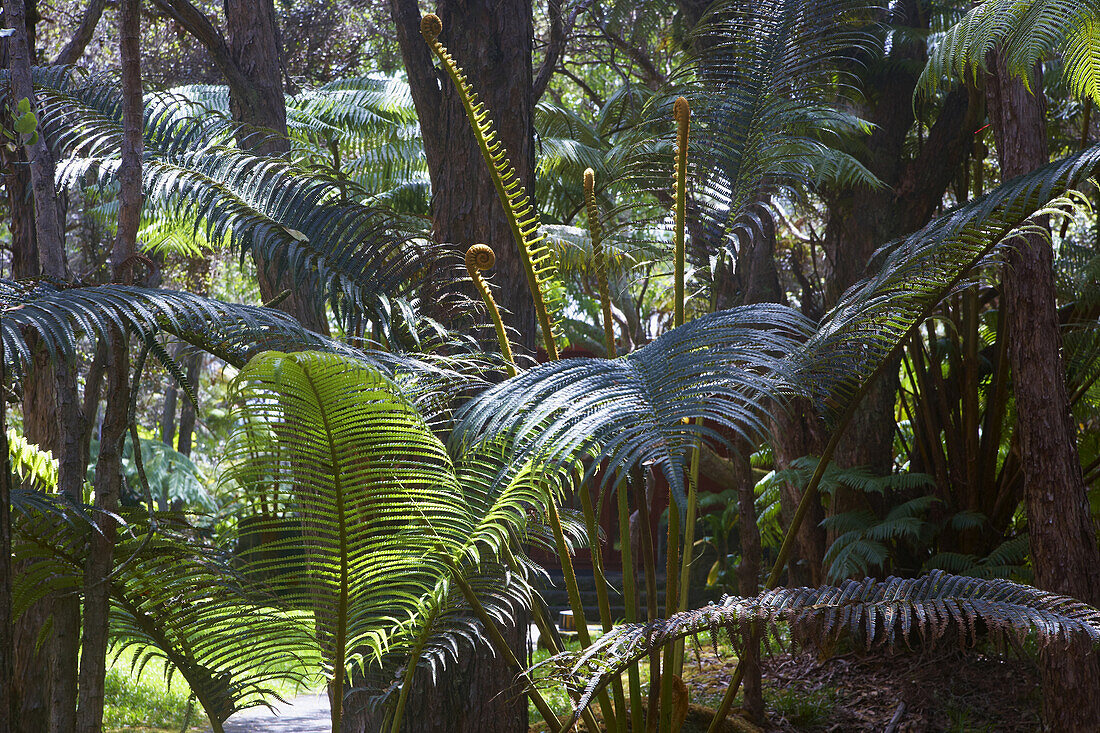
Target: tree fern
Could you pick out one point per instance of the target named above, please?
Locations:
(872, 613)
(642, 408)
(384, 513)
(363, 257)
(523, 218)
(1026, 32)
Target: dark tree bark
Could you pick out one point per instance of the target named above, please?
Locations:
(860, 221)
(491, 41)
(250, 60)
(1062, 538)
(7, 677)
(74, 49)
(108, 475)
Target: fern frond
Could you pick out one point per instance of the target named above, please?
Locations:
(362, 258)
(642, 408)
(873, 613)
(30, 463)
(61, 316)
(523, 218)
(914, 273)
(1025, 31)
(373, 511)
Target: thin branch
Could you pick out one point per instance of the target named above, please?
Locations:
(198, 25)
(74, 49)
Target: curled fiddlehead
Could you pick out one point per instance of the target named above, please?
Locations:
(538, 260)
(596, 232)
(479, 258)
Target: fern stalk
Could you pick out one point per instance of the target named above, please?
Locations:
(672, 557)
(681, 110)
(600, 259)
(538, 262)
(630, 599)
(479, 258)
(575, 602)
(601, 596)
(689, 546)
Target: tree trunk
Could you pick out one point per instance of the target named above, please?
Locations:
(1062, 539)
(108, 475)
(187, 412)
(7, 676)
(256, 50)
(45, 683)
(491, 40)
(798, 432)
(862, 220)
(748, 581)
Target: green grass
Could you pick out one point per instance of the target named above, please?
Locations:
(146, 702)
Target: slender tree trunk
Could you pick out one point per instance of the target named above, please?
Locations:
(51, 412)
(187, 412)
(491, 40)
(7, 678)
(1063, 541)
(47, 220)
(108, 475)
(256, 49)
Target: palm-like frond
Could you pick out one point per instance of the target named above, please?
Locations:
(914, 273)
(61, 316)
(873, 613)
(381, 515)
(762, 81)
(1025, 31)
(725, 368)
(176, 599)
(361, 257)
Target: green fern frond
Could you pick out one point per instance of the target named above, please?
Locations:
(370, 513)
(914, 273)
(30, 463)
(873, 613)
(1025, 31)
(523, 218)
(723, 367)
(362, 258)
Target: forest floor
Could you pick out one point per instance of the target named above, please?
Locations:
(945, 690)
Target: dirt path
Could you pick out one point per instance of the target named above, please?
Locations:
(302, 714)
